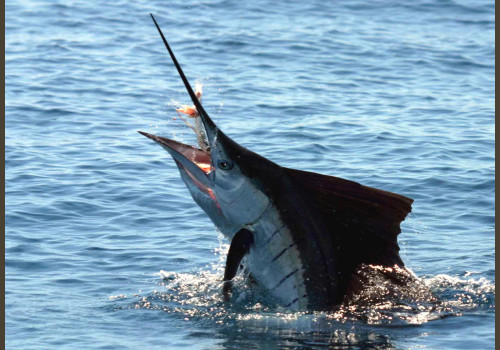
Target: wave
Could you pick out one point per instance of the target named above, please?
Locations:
(198, 296)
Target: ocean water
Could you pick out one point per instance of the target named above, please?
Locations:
(105, 248)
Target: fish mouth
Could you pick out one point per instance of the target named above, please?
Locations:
(196, 162)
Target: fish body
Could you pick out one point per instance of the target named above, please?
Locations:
(304, 235)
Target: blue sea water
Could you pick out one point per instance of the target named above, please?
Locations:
(105, 248)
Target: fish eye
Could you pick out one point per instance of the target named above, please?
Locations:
(225, 164)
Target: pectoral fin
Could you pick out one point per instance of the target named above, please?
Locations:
(240, 245)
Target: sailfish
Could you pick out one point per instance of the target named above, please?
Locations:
(302, 235)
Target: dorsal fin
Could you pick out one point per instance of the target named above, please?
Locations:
(364, 221)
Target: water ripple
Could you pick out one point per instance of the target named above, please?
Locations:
(396, 95)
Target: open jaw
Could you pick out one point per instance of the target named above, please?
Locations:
(196, 162)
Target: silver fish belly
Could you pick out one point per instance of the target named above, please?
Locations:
(274, 261)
